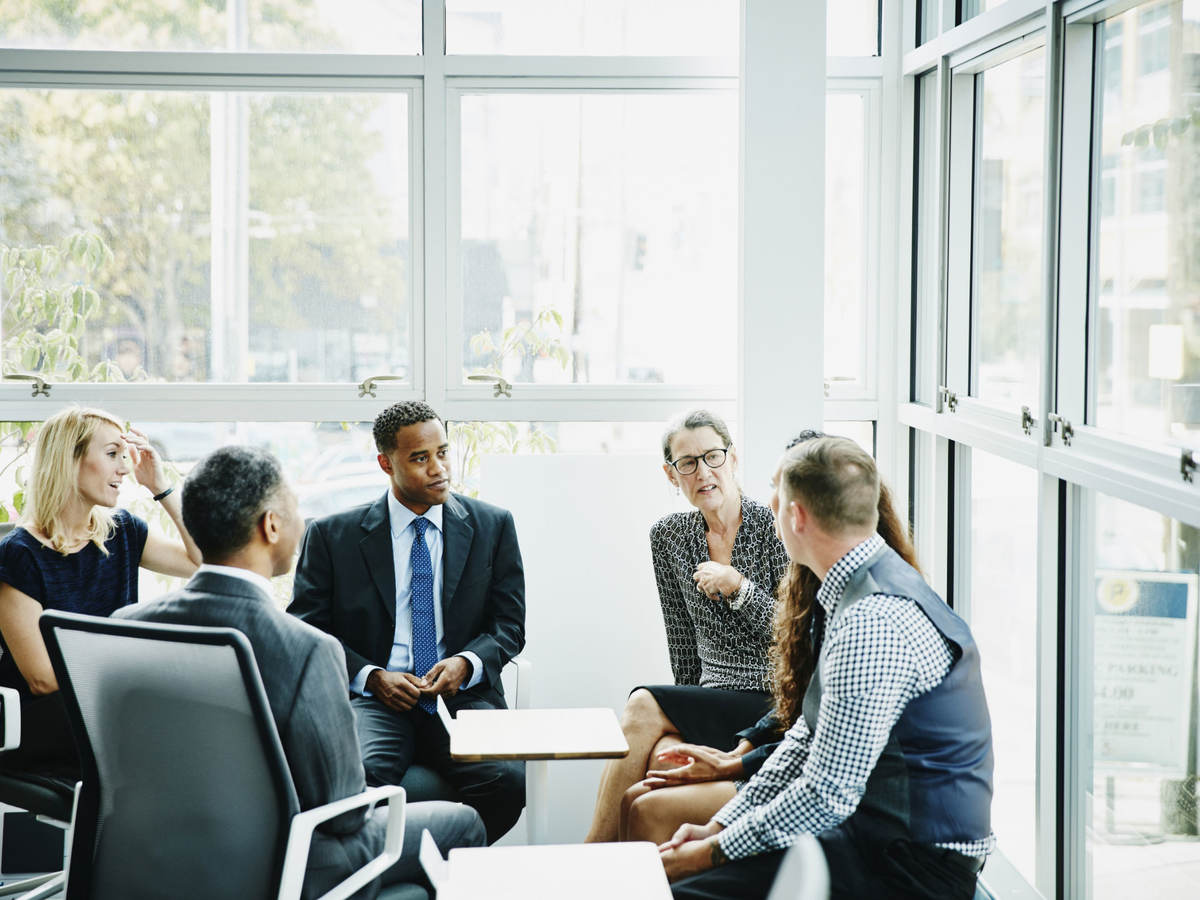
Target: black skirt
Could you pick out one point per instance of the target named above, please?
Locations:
(710, 717)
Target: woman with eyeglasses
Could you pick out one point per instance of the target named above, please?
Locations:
(717, 568)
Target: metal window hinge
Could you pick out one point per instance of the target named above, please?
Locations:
(367, 388)
(1187, 464)
(40, 387)
(503, 388)
(950, 398)
(1027, 421)
(1062, 426)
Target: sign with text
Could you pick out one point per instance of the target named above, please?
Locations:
(1145, 633)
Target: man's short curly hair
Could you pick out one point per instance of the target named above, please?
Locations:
(395, 417)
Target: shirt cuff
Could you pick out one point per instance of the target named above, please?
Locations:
(738, 840)
(745, 592)
(359, 684)
(476, 669)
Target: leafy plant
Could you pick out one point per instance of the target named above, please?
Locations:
(538, 338)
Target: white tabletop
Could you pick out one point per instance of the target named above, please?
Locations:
(479, 734)
(630, 871)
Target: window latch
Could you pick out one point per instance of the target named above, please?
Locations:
(1027, 421)
(1062, 426)
(949, 397)
(1187, 464)
(367, 388)
(40, 387)
(503, 388)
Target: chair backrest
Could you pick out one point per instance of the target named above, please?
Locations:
(804, 874)
(186, 791)
(437, 870)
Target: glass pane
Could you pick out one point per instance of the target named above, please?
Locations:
(1003, 613)
(1007, 245)
(599, 237)
(596, 27)
(1147, 376)
(862, 433)
(348, 26)
(283, 257)
(968, 9)
(927, 20)
(846, 320)
(1141, 839)
(927, 191)
(852, 27)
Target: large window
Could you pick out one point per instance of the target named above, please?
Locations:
(1006, 310)
(1144, 582)
(1147, 261)
(284, 256)
(598, 236)
(1058, 499)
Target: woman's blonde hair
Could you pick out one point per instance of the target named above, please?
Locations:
(61, 444)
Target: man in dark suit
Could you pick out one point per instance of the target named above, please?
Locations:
(424, 588)
(244, 519)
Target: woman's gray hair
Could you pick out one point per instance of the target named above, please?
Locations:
(697, 418)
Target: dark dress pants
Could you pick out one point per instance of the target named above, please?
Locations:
(861, 864)
(392, 741)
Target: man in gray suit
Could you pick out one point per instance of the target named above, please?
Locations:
(244, 519)
(425, 590)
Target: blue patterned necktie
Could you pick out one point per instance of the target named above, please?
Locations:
(424, 627)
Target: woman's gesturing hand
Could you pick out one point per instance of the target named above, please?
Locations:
(717, 581)
(690, 763)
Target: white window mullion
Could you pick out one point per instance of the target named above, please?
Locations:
(435, 129)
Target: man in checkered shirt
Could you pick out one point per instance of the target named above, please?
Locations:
(890, 765)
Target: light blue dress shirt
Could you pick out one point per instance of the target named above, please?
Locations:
(403, 534)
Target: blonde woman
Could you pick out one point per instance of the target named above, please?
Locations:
(74, 552)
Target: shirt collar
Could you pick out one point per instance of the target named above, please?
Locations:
(839, 574)
(237, 572)
(401, 516)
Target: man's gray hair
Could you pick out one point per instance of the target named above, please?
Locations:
(225, 495)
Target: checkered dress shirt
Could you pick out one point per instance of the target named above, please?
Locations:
(877, 656)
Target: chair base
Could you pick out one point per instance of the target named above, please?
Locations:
(38, 887)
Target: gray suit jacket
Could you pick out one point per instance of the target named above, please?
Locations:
(346, 586)
(303, 672)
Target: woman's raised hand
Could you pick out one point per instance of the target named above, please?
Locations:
(147, 466)
(716, 580)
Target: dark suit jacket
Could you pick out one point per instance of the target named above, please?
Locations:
(346, 585)
(302, 671)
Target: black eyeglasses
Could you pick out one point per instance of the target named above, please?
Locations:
(714, 459)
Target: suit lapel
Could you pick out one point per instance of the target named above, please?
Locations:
(458, 533)
(376, 548)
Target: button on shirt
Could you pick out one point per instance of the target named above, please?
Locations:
(876, 657)
(403, 534)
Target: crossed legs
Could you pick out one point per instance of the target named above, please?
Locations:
(648, 730)
(655, 814)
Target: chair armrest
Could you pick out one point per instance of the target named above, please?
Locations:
(10, 702)
(295, 861)
(522, 670)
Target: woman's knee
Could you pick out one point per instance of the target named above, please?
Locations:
(643, 712)
(644, 815)
(630, 796)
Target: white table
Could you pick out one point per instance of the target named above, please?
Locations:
(628, 871)
(535, 735)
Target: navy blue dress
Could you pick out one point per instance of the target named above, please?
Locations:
(86, 581)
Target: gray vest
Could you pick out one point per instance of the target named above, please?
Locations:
(933, 779)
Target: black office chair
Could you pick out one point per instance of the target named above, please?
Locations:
(51, 798)
(186, 792)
